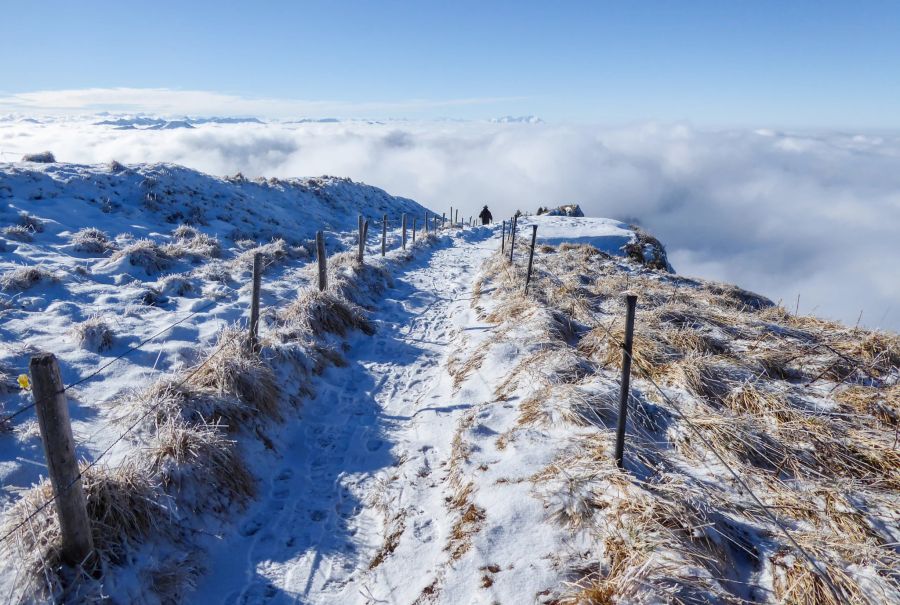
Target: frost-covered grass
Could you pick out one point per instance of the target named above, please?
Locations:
(94, 335)
(197, 413)
(91, 240)
(23, 277)
(805, 410)
(20, 233)
(146, 254)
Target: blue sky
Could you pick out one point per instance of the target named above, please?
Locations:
(780, 64)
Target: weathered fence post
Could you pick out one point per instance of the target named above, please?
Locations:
(456, 221)
(451, 216)
(530, 257)
(512, 238)
(362, 241)
(320, 255)
(426, 223)
(383, 234)
(415, 218)
(630, 301)
(254, 302)
(443, 220)
(403, 228)
(59, 448)
(503, 238)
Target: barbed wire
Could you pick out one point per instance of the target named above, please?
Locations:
(783, 528)
(96, 372)
(96, 460)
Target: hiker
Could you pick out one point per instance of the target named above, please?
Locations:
(485, 216)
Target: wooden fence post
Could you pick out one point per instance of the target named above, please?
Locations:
(530, 257)
(443, 220)
(362, 242)
(630, 301)
(415, 218)
(383, 234)
(426, 223)
(512, 238)
(254, 302)
(456, 222)
(403, 228)
(59, 448)
(320, 255)
(503, 238)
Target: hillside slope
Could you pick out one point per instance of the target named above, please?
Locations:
(423, 431)
(135, 277)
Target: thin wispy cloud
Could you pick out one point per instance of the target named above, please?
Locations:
(165, 101)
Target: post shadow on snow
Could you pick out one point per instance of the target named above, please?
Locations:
(347, 436)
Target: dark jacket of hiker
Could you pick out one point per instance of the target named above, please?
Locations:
(485, 216)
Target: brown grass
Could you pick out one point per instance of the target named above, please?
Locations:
(235, 370)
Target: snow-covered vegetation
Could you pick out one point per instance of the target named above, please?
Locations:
(731, 394)
(112, 263)
(423, 431)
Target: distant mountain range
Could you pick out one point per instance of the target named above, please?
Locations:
(145, 123)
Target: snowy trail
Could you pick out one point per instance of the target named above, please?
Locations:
(356, 470)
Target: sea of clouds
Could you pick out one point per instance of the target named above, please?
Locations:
(785, 214)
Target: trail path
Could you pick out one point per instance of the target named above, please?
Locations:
(357, 478)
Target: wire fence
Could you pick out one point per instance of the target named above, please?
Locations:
(209, 304)
(767, 510)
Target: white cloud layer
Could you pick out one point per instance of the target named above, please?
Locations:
(784, 214)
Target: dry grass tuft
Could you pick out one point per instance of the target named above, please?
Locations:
(19, 233)
(146, 254)
(881, 403)
(94, 335)
(90, 240)
(315, 312)
(237, 371)
(124, 507)
(169, 399)
(649, 352)
(177, 285)
(194, 244)
(24, 277)
(201, 466)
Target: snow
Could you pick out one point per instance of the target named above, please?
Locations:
(605, 234)
(406, 473)
(368, 456)
(148, 202)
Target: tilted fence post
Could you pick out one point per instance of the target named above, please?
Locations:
(512, 238)
(530, 257)
(254, 302)
(631, 302)
(320, 255)
(503, 238)
(59, 448)
(403, 229)
(415, 218)
(383, 234)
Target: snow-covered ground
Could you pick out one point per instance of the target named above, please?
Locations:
(459, 452)
(139, 293)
